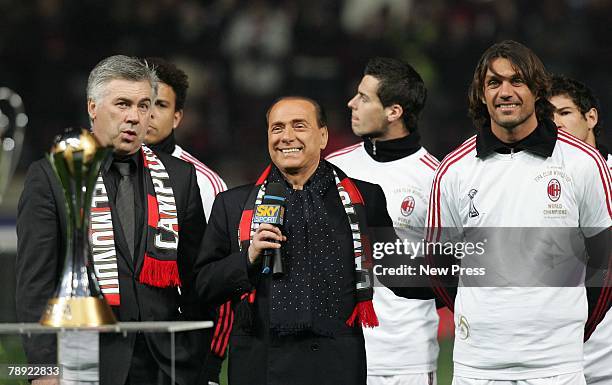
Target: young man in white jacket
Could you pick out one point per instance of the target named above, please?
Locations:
(403, 350)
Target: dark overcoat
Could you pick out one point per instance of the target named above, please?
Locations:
(255, 356)
(41, 223)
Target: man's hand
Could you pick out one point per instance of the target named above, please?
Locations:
(46, 381)
(265, 234)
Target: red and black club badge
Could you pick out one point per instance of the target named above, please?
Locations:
(407, 206)
(554, 190)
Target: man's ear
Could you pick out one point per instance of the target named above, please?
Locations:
(394, 112)
(178, 116)
(91, 108)
(324, 137)
(592, 117)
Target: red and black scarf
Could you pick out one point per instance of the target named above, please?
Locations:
(353, 204)
(159, 267)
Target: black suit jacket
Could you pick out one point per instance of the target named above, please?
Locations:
(254, 356)
(41, 221)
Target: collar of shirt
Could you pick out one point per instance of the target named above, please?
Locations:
(394, 149)
(319, 182)
(167, 145)
(540, 142)
(133, 158)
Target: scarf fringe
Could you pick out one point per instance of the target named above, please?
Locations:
(159, 273)
(363, 310)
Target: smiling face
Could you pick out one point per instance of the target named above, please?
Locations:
(121, 116)
(510, 102)
(569, 118)
(295, 139)
(164, 117)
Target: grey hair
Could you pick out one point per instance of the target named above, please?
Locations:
(119, 67)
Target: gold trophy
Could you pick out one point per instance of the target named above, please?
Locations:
(76, 157)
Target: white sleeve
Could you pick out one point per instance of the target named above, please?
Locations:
(595, 202)
(443, 217)
(338, 162)
(210, 186)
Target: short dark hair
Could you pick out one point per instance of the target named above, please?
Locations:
(401, 84)
(582, 96)
(321, 116)
(526, 63)
(173, 76)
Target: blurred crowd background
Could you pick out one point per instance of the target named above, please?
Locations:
(240, 55)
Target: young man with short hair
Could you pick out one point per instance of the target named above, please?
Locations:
(166, 116)
(384, 113)
(577, 111)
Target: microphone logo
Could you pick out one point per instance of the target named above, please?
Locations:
(266, 213)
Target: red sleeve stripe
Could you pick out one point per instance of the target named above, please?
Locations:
(225, 319)
(434, 206)
(432, 159)
(227, 335)
(587, 147)
(428, 163)
(440, 291)
(603, 304)
(343, 151)
(212, 176)
(219, 329)
(196, 162)
(604, 172)
(434, 223)
(200, 170)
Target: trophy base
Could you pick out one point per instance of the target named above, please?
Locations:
(77, 312)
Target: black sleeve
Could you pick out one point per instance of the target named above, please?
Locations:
(599, 293)
(191, 232)
(39, 245)
(382, 230)
(223, 272)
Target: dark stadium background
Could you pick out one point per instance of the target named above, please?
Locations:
(240, 55)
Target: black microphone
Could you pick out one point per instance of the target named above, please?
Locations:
(272, 210)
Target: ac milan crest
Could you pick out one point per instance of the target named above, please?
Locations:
(407, 205)
(554, 190)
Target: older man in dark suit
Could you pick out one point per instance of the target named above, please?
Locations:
(303, 327)
(153, 274)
